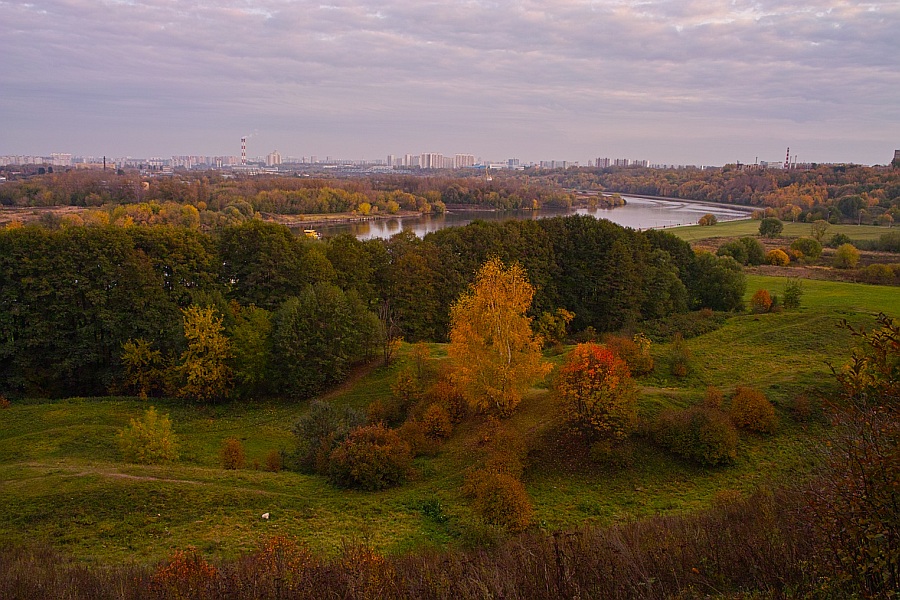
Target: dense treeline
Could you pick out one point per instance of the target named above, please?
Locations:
(70, 298)
(854, 193)
(229, 199)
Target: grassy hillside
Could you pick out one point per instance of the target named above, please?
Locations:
(64, 483)
(693, 233)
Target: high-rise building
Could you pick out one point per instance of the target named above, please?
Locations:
(621, 162)
(602, 163)
(431, 160)
(273, 159)
(461, 161)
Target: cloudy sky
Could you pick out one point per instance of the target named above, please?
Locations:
(678, 81)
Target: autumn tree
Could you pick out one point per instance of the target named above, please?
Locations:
(598, 394)
(142, 368)
(204, 370)
(497, 356)
(149, 440)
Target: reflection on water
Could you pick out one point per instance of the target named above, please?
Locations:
(639, 213)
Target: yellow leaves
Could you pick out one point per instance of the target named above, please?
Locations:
(497, 357)
(204, 370)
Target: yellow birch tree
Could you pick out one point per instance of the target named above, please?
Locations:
(496, 355)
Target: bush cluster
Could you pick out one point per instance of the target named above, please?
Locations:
(318, 433)
(751, 410)
(499, 499)
(846, 256)
(761, 301)
(372, 457)
(634, 351)
(436, 422)
(702, 434)
(149, 440)
(232, 454)
(778, 257)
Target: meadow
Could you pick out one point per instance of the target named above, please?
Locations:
(745, 227)
(64, 483)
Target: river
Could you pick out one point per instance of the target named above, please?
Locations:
(638, 213)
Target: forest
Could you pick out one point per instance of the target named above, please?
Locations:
(72, 297)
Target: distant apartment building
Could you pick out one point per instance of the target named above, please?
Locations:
(431, 160)
(602, 163)
(273, 159)
(462, 161)
(60, 160)
(897, 155)
(621, 162)
(639, 163)
(513, 163)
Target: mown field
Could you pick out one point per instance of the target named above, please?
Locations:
(744, 227)
(62, 481)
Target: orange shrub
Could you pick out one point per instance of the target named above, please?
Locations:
(413, 433)
(274, 461)
(634, 351)
(751, 410)
(281, 557)
(4, 402)
(186, 575)
(371, 458)
(232, 454)
(761, 301)
(499, 499)
(713, 397)
(436, 422)
(445, 394)
(778, 257)
(599, 396)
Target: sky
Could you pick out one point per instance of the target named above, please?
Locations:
(702, 82)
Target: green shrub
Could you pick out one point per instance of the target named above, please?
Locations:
(879, 272)
(838, 239)
(370, 458)
(679, 357)
(232, 454)
(756, 254)
(149, 440)
(751, 410)
(846, 256)
(701, 434)
(810, 248)
(793, 291)
(499, 499)
(735, 249)
(770, 227)
(319, 431)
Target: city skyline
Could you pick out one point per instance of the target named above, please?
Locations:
(675, 83)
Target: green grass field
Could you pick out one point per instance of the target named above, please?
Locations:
(62, 481)
(745, 227)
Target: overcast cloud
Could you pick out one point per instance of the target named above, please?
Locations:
(693, 81)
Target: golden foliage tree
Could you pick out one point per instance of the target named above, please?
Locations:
(149, 440)
(599, 396)
(497, 357)
(205, 373)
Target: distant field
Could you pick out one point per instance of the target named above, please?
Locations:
(63, 483)
(693, 233)
(839, 297)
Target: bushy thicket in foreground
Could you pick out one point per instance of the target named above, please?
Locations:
(755, 544)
